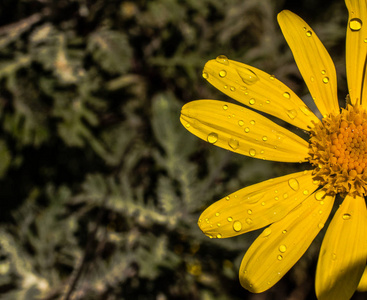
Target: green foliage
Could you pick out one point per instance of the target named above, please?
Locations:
(101, 186)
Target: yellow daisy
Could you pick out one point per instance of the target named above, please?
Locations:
(296, 206)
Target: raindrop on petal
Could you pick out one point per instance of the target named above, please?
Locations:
(292, 113)
(293, 183)
(241, 123)
(282, 248)
(237, 226)
(222, 59)
(205, 75)
(233, 144)
(222, 73)
(247, 130)
(225, 106)
(212, 138)
(280, 257)
(346, 217)
(219, 236)
(247, 76)
(267, 232)
(319, 195)
(286, 95)
(229, 219)
(252, 101)
(355, 24)
(265, 138)
(252, 152)
(308, 33)
(325, 80)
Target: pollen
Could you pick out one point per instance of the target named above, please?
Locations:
(338, 151)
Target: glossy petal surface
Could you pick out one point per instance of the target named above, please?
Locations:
(282, 244)
(258, 90)
(343, 252)
(313, 61)
(243, 131)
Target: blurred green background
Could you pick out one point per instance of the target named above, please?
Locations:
(100, 185)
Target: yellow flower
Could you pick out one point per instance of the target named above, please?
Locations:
(296, 206)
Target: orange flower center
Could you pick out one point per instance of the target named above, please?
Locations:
(338, 150)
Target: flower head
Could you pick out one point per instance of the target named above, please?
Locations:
(294, 207)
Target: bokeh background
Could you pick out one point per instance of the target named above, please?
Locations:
(100, 185)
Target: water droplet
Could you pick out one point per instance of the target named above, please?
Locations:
(252, 101)
(333, 257)
(321, 225)
(286, 95)
(355, 24)
(212, 138)
(218, 224)
(308, 33)
(222, 73)
(267, 101)
(233, 144)
(205, 75)
(267, 232)
(293, 183)
(237, 226)
(305, 192)
(227, 198)
(312, 79)
(247, 76)
(252, 152)
(226, 87)
(222, 59)
(188, 125)
(225, 106)
(285, 195)
(219, 236)
(252, 122)
(284, 231)
(305, 110)
(319, 195)
(263, 203)
(232, 88)
(265, 138)
(249, 221)
(241, 123)
(272, 77)
(325, 80)
(323, 72)
(217, 214)
(292, 113)
(347, 217)
(279, 257)
(247, 130)
(282, 248)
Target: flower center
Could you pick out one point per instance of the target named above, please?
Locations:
(338, 150)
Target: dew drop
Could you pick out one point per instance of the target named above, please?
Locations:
(286, 95)
(188, 125)
(267, 232)
(222, 59)
(218, 224)
(226, 87)
(229, 219)
(285, 195)
(365, 40)
(232, 88)
(272, 77)
(205, 75)
(225, 106)
(217, 214)
(279, 257)
(249, 221)
(293, 183)
(227, 198)
(355, 24)
(249, 212)
(237, 226)
(267, 101)
(347, 217)
(219, 236)
(233, 144)
(247, 130)
(320, 195)
(292, 113)
(252, 122)
(323, 72)
(241, 123)
(305, 192)
(321, 225)
(308, 33)
(325, 80)
(265, 138)
(252, 101)
(252, 152)
(282, 248)
(222, 73)
(312, 79)
(212, 138)
(247, 76)
(305, 110)
(284, 231)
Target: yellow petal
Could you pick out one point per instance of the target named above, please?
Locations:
(259, 90)
(356, 51)
(343, 251)
(256, 206)
(362, 286)
(313, 61)
(241, 130)
(282, 244)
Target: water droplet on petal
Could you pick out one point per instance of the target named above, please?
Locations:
(252, 122)
(280, 257)
(249, 211)
(222, 59)
(252, 152)
(188, 125)
(292, 113)
(321, 225)
(319, 195)
(212, 138)
(219, 236)
(247, 130)
(347, 217)
(252, 101)
(267, 232)
(237, 226)
(323, 72)
(229, 219)
(225, 106)
(282, 248)
(305, 192)
(222, 73)
(267, 101)
(272, 77)
(247, 76)
(286, 95)
(265, 138)
(308, 33)
(325, 80)
(293, 183)
(249, 221)
(355, 24)
(217, 214)
(233, 144)
(333, 257)
(241, 123)
(205, 75)
(305, 110)
(232, 88)
(284, 231)
(227, 198)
